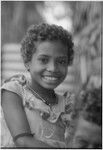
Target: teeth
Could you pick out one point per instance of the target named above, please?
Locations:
(50, 78)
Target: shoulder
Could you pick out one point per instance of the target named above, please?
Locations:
(20, 78)
(14, 84)
(69, 97)
(69, 101)
(66, 98)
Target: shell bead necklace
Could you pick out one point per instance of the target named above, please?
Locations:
(46, 102)
(45, 115)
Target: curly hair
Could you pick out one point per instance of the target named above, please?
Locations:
(44, 32)
(89, 106)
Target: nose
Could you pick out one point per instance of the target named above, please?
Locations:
(52, 67)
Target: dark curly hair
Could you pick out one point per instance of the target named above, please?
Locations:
(89, 105)
(44, 32)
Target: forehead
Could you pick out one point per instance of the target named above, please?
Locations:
(55, 48)
(88, 130)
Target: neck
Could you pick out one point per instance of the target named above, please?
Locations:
(47, 94)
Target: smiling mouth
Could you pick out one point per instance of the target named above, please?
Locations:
(50, 79)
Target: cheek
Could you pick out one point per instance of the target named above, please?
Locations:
(64, 70)
(36, 68)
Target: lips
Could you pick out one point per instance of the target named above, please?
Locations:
(50, 79)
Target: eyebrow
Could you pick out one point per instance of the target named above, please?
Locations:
(42, 55)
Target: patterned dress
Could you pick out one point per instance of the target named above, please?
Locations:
(47, 128)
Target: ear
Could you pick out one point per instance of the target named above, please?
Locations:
(27, 65)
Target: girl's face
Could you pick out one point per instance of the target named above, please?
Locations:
(48, 67)
(87, 135)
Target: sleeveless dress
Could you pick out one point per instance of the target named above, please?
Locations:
(50, 130)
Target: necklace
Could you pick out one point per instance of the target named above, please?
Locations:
(45, 115)
(45, 101)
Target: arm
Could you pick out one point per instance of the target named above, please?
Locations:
(16, 120)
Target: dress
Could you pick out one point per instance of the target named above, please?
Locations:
(50, 130)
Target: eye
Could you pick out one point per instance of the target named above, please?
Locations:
(62, 61)
(43, 60)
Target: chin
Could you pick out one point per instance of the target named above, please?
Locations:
(50, 87)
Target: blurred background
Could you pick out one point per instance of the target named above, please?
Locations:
(82, 18)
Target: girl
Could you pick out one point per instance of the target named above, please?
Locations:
(31, 107)
(86, 121)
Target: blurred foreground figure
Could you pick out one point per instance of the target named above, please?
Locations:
(86, 125)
